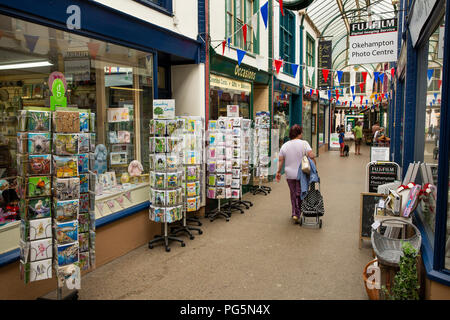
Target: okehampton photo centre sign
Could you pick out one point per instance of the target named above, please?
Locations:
(373, 41)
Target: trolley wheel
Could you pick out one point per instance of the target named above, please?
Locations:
(200, 232)
(192, 237)
(320, 223)
(150, 246)
(228, 219)
(251, 204)
(167, 249)
(183, 244)
(301, 221)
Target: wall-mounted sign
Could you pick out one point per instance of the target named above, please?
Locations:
(163, 109)
(325, 62)
(373, 42)
(229, 83)
(244, 73)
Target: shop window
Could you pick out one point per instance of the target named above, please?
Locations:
(360, 79)
(238, 13)
(281, 115)
(227, 94)
(321, 124)
(287, 39)
(113, 82)
(160, 5)
(345, 83)
(432, 119)
(310, 59)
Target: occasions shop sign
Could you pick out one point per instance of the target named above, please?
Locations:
(373, 42)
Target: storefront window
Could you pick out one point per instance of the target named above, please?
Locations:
(321, 124)
(281, 115)
(306, 122)
(432, 111)
(113, 82)
(226, 91)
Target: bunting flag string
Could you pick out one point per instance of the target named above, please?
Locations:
(278, 64)
(244, 32)
(325, 74)
(31, 41)
(281, 7)
(294, 68)
(224, 43)
(264, 13)
(240, 55)
(339, 75)
(430, 75)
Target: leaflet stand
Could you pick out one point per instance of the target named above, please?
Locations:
(165, 238)
(213, 215)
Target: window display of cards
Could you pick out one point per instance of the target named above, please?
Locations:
(65, 144)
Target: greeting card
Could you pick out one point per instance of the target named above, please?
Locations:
(83, 240)
(39, 229)
(84, 121)
(228, 193)
(38, 143)
(212, 179)
(67, 210)
(160, 198)
(228, 179)
(83, 222)
(212, 166)
(67, 254)
(220, 193)
(84, 182)
(160, 145)
(212, 125)
(235, 193)
(191, 189)
(171, 127)
(236, 173)
(38, 164)
(37, 120)
(160, 162)
(65, 167)
(171, 197)
(160, 180)
(191, 204)
(220, 180)
(172, 180)
(160, 128)
(66, 232)
(35, 208)
(211, 192)
(83, 262)
(84, 202)
(220, 166)
(84, 142)
(124, 136)
(172, 162)
(191, 173)
(66, 144)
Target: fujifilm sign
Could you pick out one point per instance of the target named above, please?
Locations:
(373, 42)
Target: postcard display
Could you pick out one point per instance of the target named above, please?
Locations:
(166, 175)
(56, 206)
(261, 158)
(120, 143)
(193, 155)
(224, 177)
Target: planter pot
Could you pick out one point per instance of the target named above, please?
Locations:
(374, 294)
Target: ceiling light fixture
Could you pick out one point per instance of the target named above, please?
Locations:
(25, 65)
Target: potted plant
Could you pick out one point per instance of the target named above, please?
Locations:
(406, 282)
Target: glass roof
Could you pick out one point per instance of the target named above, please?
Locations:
(333, 18)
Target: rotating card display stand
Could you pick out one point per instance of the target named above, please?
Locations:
(261, 152)
(246, 132)
(224, 164)
(166, 176)
(192, 159)
(54, 187)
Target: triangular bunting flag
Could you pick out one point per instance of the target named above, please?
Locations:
(430, 75)
(325, 74)
(392, 72)
(376, 96)
(354, 98)
(329, 94)
(310, 92)
(278, 64)
(353, 89)
(339, 75)
(364, 74)
(361, 99)
(264, 13)
(294, 68)
(439, 84)
(255, 24)
(317, 92)
(381, 77)
(361, 87)
(31, 41)
(310, 73)
(229, 44)
(240, 55)
(435, 95)
(351, 104)
(281, 7)
(93, 49)
(244, 32)
(375, 75)
(337, 94)
(224, 43)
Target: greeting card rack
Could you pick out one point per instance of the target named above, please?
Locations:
(166, 176)
(193, 153)
(245, 162)
(261, 158)
(224, 164)
(57, 207)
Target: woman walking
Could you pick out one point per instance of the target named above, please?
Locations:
(291, 154)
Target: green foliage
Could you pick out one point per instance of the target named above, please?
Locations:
(406, 282)
(158, 111)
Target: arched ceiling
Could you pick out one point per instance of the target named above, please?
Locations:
(333, 18)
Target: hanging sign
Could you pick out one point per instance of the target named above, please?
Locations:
(373, 42)
(163, 109)
(325, 62)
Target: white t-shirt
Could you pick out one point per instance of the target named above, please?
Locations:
(293, 152)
